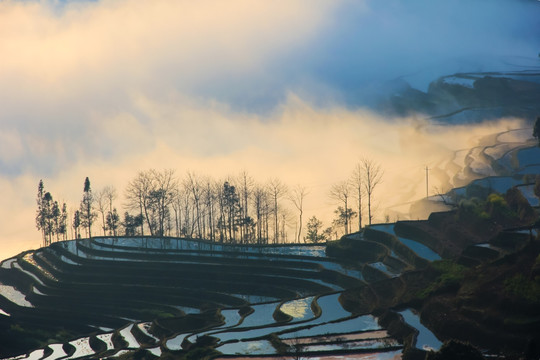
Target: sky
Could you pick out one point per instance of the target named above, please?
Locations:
(282, 89)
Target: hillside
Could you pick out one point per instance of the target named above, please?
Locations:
(468, 97)
(391, 291)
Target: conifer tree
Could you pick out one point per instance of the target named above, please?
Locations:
(87, 215)
(40, 213)
(48, 216)
(77, 223)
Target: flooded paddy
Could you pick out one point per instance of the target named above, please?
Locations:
(365, 335)
(383, 355)
(175, 343)
(425, 340)
(82, 348)
(360, 323)
(420, 249)
(129, 338)
(57, 352)
(299, 309)
(14, 295)
(6, 264)
(262, 315)
(256, 347)
(374, 344)
(144, 327)
(107, 339)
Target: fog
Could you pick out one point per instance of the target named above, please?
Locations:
(279, 89)
(299, 144)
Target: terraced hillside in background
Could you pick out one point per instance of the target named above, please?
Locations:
(361, 297)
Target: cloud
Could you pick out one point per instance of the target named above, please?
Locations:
(67, 68)
(99, 48)
(418, 41)
(298, 143)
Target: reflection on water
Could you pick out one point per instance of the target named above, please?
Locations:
(361, 323)
(420, 249)
(155, 351)
(176, 342)
(255, 299)
(35, 355)
(298, 309)
(263, 315)
(14, 295)
(128, 336)
(257, 347)
(354, 345)
(82, 348)
(331, 308)
(232, 317)
(426, 339)
(107, 339)
(7, 263)
(197, 245)
(57, 352)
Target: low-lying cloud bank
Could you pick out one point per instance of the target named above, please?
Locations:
(299, 144)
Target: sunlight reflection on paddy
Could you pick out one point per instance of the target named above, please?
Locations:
(14, 295)
(58, 352)
(298, 309)
(257, 347)
(107, 339)
(82, 348)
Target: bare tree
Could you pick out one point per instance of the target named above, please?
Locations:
(245, 187)
(276, 190)
(260, 202)
(285, 218)
(193, 183)
(372, 173)
(109, 194)
(297, 196)
(218, 187)
(137, 196)
(177, 208)
(341, 192)
(162, 197)
(356, 183)
(152, 193)
(188, 227)
(101, 204)
(209, 199)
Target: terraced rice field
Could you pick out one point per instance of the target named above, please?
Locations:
(123, 283)
(166, 294)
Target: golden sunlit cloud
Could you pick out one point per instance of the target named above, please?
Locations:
(299, 144)
(87, 47)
